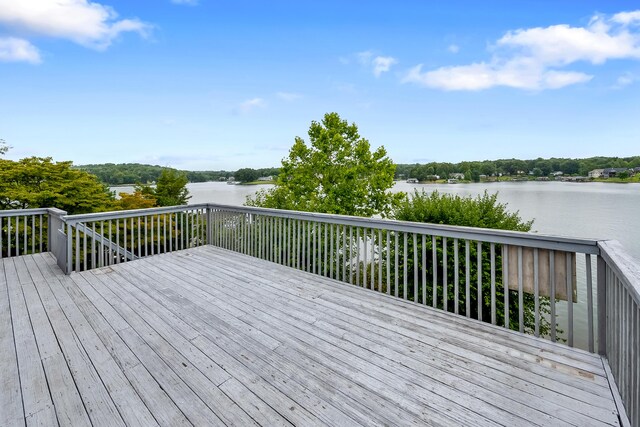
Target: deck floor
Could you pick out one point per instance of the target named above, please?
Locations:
(211, 337)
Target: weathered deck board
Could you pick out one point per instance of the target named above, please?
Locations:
(211, 337)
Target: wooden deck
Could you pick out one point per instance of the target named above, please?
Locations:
(210, 337)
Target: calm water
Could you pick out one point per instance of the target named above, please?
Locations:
(589, 210)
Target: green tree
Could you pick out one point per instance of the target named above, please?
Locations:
(3, 147)
(36, 182)
(483, 211)
(171, 188)
(336, 173)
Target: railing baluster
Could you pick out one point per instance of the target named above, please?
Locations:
(350, 255)
(536, 293)
(364, 266)
(424, 269)
(84, 249)
(25, 224)
(590, 336)
(434, 268)
(396, 281)
(77, 254)
(416, 284)
(331, 252)
(373, 255)
(456, 276)
(358, 256)
(520, 294)
(569, 274)
(33, 234)
(405, 262)
(505, 284)
(445, 278)
(314, 255)
(118, 241)
(493, 283)
(479, 284)
(552, 299)
(467, 275)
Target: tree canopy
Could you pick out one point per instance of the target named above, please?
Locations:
(337, 172)
(483, 211)
(36, 182)
(3, 147)
(171, 190)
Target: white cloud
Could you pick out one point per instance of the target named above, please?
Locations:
(288, 96)
(377, 64)
(251, 104)
(533, 58)
(187, 2)
(18, 50)
(382, 64)
(89, 24)
(453, 48)
(625, 80)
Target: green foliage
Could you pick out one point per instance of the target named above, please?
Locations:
(171, 189)
(137, 200)
(36, 182)
(539, 167)
(483, 211)
(3, 147)
(336, 173)
(129, 173)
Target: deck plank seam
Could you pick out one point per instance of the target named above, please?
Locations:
(133, 272)
(401, 332)
(35, 338)
(319, 361)
(52, 282)
(207, 403)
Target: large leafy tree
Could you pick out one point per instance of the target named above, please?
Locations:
(337, 172)
(36, 182)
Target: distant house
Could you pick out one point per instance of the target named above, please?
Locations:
(542, 178)
(266, 178)
(412, 181)
(557, 173)
(612, 172)
(452, 181)
(456, 175)
(596, 173)
(636, 170)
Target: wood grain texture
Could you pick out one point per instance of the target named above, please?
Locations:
(207, 336)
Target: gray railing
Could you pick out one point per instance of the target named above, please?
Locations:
(585, 293)
(107, 238)
(620, 274)
(28, 231)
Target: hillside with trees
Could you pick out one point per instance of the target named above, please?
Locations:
(137, 173)
(509, 167)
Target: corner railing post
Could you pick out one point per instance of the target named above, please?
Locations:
(602, 306)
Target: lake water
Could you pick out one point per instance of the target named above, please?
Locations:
(591, 210)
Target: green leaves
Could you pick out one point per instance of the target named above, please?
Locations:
(335, 173)
(40, 182)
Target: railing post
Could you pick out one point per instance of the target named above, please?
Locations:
(602, 306)
(209, 228)
(69, 249)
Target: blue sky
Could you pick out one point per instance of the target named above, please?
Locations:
(227, 84)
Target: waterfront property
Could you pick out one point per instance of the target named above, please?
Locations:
(209, 314)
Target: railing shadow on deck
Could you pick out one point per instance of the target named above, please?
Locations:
(525, 282)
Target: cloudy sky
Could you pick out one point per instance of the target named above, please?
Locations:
(224, 84)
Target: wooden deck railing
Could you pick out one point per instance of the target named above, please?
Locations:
(581, 292)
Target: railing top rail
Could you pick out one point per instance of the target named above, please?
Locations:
(104, 216)
(24, 212)
(623, 264)
(589, 246)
